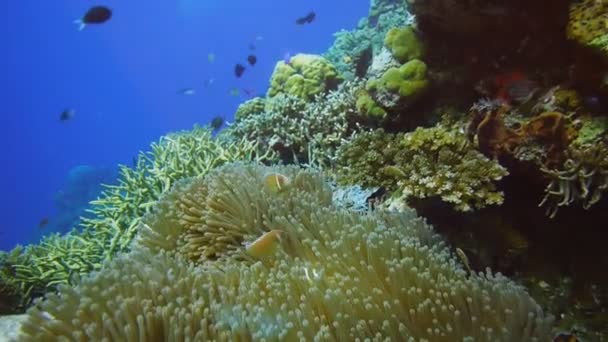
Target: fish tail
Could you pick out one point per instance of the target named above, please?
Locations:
(80, 24)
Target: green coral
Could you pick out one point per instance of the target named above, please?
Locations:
(593, 128)
(587, 24)
(293, 267)
(252, 106)
(368, 107)
(303, 131)
(305, 76)
(362, 159)
(409, 80)
(37, 269)
(404, 44)
(427, 162)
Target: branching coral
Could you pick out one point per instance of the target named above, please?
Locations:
(583, 178)
(307, 132)
(249, 107)
(116, 214)
(348, 44)
(427, 162)
(332, 275)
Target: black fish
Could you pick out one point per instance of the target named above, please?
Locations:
(95, 15)
(239, 69)
(217, 122)
(67, 115)
(252, 59)
(306, 19)
(363, 61)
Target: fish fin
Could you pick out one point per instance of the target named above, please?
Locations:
(80, 24)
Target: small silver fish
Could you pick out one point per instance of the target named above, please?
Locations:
(187, 91)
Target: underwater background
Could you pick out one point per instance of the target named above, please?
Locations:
(430, 170)
(123, 79)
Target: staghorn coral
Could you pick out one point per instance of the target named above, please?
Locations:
(305, 77)
(583, 178)
(427, 162)
(336, 275)
(116, 213)
(252, 106)
(306, 132)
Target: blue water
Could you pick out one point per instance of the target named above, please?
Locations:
(122, 80)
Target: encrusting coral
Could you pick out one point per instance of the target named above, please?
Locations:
(38, 268)
(404, 44)
(297, 268)
(587, 24)
(427, 162)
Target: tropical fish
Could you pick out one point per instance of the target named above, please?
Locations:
(515, 87)
(565, 337)
(187, 91)
(252, 59)
(265, 245)
(235, 92)
(239, 69)
(67, 114)
(95, 15)
(211, 57)
(217, 122)
(208, 82)
(307, 19)
(43, 222)
(287, 58)
(276, 182)
(250, 92)
(252, 47)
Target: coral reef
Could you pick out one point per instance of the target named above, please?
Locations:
(304, 76)
(400, 86)
(587, 24)
(306, 132)
(404, 44)
(325, 274)
(252, 106)
(384, 15)
(583, 178)
(427, 162)
(37, 269)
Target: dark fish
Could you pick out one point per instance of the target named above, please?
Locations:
(43, 223)
(306, 19)
(95, 15)
(565, 337)
(67, 114)
(250, 92)
(217, 122)
(252, 47)
(363, 61)
(239, 69)
(252, 59)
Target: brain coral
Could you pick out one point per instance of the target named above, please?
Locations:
(304, 76)
(334, 275)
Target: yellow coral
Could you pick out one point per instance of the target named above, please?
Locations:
(588, 23)
(305, 76)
